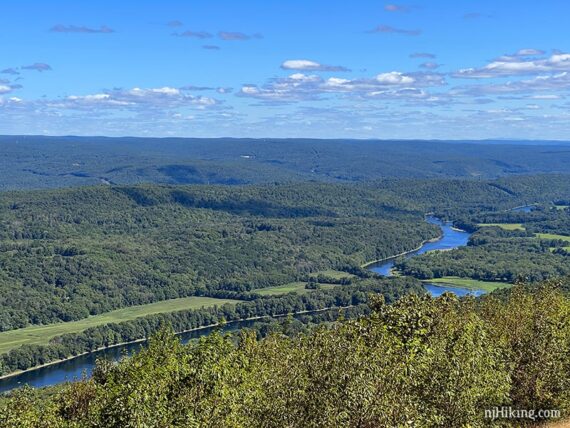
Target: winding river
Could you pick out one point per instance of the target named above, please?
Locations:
(73, 369)
(450, 238)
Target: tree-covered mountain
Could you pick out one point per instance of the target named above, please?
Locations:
(40, 162)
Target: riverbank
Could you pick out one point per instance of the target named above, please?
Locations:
(405, 253)
(142, 340)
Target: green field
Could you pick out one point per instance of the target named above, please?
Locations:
(471, 284)
(553, 236)
(40, 335)
(506, 226)
(293, 287)
(335, 274)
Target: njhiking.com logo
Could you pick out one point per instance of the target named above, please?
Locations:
(507, 412)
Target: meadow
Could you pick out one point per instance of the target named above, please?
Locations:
(292, 287)
(505, 226)
(468, 283)
(41, 334)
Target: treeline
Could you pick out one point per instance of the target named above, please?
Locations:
(304, 323)
(419, 362)
(509, 261)
(28, 356)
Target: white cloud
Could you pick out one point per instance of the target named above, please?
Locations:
(394, 78)
(302, 87)
(305, 64)
(135, 98)
(546, 97)
(518, 65)
(543, 83)
(528, 52)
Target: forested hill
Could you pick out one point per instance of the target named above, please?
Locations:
(71, 253)
(37, 162)
(66, 254)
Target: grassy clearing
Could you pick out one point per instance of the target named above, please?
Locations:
(40, 335)
(553, 249)
(468, 283)
(335, 274)
(505, 226)
(553, 236)
(293, 287)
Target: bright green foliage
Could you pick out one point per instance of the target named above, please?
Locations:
(420, 362)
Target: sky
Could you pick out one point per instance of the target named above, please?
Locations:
(436, 69)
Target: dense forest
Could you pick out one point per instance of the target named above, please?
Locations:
(68, 254)
(416, 362)
(362, 350)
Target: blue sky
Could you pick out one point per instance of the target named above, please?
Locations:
(323, 69)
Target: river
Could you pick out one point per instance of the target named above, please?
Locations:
(73, 369)
(450, 238)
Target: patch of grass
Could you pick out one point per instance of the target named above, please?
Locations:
(40, 335)
(468, 283)
(505, 226)
(292, 287)
(335, 274)
(553, 249)
(553, 236)
(561, 207)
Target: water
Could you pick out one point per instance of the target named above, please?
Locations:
(438, 290)
(525, 209)
(74, 369)
(451, 238)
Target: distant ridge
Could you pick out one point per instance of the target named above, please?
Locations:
(31, 162)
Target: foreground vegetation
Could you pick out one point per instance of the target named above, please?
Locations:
(418, 362)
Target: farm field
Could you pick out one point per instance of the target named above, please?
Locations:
(553, 236)
(40, 335)
(505, 226)
(471, 284)
(293, 287)
(335, 274)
